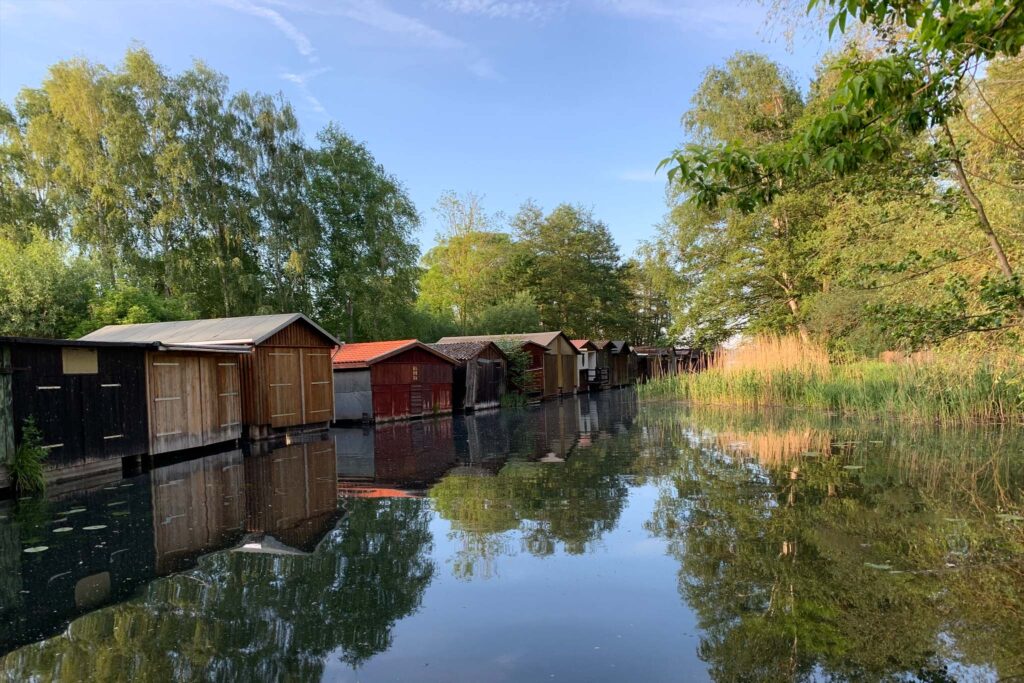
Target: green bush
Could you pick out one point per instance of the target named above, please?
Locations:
(26, 466)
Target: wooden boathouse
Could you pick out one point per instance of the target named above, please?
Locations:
(560, 376)
(285, 382)
(98, 402)
(592, 375)
(479, 379)
(391, 380)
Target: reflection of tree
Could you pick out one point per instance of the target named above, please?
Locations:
(251, 616)
(812, 565)
(568, 504)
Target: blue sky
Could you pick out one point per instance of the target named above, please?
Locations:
(552, 100)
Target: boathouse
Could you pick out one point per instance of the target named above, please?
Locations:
(97, 402)
(559, 377)
(478, 381)
(623, 364)
(592, 377)
(391, 380)
(285, 382)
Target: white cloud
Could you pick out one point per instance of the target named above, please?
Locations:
(722, 17)
(301, 82)
(532, 10)
(290, 30)
(482, 68)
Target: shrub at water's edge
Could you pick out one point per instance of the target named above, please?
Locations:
(938, 388)
(26, 464)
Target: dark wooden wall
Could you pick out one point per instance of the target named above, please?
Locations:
(83, 417)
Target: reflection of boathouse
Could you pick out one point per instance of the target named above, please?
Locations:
(402, 455)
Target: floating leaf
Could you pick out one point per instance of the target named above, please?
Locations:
(63, 529)
(116, 503)
(95, 527)
(37, 549)
(73, 511)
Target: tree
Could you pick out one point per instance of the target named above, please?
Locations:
(878, 101)
(571, 266)
(464, 272)
(369, 271)
(44, 289)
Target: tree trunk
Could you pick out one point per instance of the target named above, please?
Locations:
(349, 310)
(979, 209)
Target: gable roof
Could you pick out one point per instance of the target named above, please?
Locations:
(364, 354)
(542, 338)
(463, 351)
(620, 346)
(583, 343)
(249, 330)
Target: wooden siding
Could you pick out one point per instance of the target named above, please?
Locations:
(193, 400)
(198, 506)
(411, 384)
(83, 418)
(287, 382)
(291, 493)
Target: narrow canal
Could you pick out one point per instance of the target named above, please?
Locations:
(592, 539)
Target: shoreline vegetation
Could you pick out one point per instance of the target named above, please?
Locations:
(942, 388)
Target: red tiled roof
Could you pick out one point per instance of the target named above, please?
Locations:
(580, 343)
(360, 355)
(365, 354)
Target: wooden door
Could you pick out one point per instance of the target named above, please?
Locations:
(319, 385)
(283, 374)
(551, 375)
(175, 405)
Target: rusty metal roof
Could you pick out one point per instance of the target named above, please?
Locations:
(249, 330)
(364, 354)
(542, 338)
(463, 351)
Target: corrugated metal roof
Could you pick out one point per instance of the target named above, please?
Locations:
(245, 330)
(542, 338)
(464, 351)
(365, 354)
(155, 346)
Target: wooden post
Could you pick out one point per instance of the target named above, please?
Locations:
(6, 406)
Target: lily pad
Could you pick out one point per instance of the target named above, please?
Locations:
(116, 503)
(63, 529)
(37, 549)
(73, 511)
(94, 527)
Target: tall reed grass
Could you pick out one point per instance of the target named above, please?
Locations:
(941, 388)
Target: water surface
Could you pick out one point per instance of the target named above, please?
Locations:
(589, 539)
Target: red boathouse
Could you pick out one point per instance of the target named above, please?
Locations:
(391, 380)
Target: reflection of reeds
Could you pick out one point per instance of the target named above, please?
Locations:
(774, 448)
(786, 372)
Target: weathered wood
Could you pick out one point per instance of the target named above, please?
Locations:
(6, 407)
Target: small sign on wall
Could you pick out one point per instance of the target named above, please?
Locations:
(78, 361)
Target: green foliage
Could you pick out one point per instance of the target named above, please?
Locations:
(45, 289)
(168, 195)
(515, 377)
(26, 464)
(912, 117)
(572, 267)
(514, 315)
(125, 304)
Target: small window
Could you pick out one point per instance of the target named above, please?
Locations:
(78, 361)
(415, 373)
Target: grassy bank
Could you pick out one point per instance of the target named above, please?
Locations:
(784, 372)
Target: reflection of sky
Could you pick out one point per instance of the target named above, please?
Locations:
(611, 614)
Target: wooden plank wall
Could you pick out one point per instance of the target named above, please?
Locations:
(6, 407)
(193, 400)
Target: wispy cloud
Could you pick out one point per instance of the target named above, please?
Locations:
(301, 82)
(299, 39)
(722, 17)
(482, 68)
(531, 10)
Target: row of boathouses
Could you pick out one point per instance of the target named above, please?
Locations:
(127, 391)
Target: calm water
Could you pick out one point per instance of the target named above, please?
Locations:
(587, 540)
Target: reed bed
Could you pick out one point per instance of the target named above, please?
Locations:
(941, 388)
